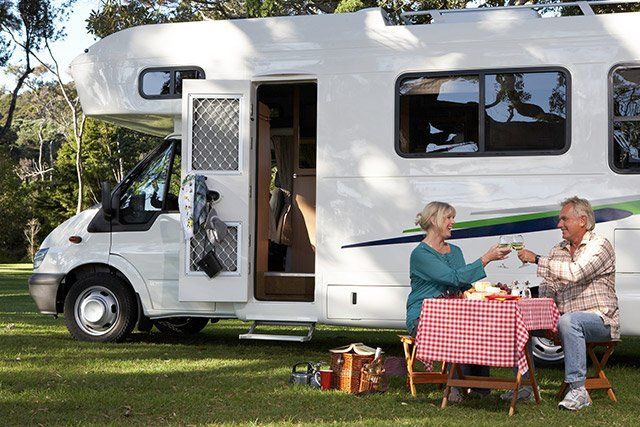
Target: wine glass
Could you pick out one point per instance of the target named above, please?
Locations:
(518, 244)
(504, 242)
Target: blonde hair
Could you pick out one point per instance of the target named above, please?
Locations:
(581, 207)
(433, 215)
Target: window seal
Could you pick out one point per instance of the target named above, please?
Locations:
(481, 73)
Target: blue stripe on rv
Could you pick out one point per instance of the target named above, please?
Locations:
(515, 227)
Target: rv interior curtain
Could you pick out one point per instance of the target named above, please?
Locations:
(280, 229)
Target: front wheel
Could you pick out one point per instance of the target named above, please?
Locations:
(181, 325)
(100, 307)
(545, 352)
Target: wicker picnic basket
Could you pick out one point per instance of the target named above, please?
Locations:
(347, 370)
(377, 382)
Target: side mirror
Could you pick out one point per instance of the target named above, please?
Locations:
(107, 209)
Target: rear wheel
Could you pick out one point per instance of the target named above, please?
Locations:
(545, 352)
(181, 325)
(100, 307)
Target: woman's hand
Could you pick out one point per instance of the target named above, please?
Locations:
(495, 253)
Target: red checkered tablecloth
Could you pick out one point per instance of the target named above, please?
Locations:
(492, 333)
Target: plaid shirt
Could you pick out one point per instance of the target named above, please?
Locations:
(584, 282)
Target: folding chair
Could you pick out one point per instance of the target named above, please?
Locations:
(418, 377)
(599, 380)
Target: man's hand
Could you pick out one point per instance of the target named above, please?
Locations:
(526, 255)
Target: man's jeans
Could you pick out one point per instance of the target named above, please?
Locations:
(575, 330)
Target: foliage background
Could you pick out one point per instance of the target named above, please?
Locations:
(52, 158)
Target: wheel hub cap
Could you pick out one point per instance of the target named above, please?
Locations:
(96, 310)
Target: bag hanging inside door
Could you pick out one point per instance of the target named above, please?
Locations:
(210, 264)
(216, 232)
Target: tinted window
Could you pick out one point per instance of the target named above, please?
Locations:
(522, 111)
(625, 117)
(156, 83)
(525, 111)
(439, 114)
(166, 83)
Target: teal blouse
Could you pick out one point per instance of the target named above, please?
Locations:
(432, 274)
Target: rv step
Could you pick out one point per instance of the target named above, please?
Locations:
(252, 335)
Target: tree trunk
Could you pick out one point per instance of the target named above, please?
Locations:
(14, 99)
(40, 150)
(51, 160)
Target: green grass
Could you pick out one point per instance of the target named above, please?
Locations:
(47, 378)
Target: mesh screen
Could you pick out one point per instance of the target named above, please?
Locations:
(216, 134)
(226, 251)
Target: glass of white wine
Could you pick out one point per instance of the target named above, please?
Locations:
(518, 244)
(504, 242)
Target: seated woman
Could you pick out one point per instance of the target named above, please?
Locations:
(437, 267)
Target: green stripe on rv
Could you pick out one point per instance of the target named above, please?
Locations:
(632, 206)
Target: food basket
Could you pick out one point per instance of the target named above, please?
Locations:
(373, 382)
(347, 369)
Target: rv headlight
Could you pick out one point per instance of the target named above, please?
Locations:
(39, 257)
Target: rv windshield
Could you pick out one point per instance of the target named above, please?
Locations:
(144, 195)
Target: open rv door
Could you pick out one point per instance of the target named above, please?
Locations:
(216, 136)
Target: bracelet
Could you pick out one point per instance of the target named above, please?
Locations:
(536, 259)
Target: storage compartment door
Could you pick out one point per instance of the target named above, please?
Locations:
(367, 302)
(216, 143)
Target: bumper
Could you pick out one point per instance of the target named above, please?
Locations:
(43, 288)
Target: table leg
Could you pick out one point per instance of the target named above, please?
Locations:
(447, 389)
(532, 377)
(512, 407)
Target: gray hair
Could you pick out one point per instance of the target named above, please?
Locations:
(434, 213)
(581, 207)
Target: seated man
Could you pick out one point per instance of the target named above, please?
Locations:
(579, 274)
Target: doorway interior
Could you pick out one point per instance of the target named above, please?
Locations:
(286, 192)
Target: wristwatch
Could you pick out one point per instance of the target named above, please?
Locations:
(536, 259)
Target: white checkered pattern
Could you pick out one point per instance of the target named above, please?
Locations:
(491, 333)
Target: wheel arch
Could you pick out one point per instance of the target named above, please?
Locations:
(129, 276)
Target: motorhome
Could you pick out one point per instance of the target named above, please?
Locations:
(322, 136)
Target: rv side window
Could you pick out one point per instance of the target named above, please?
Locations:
(483, 113)
(166, 83)
(625, 119)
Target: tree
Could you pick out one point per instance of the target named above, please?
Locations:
(111, 151)
(31, 231)
(25, 27)
(41, 125)
(12, 212)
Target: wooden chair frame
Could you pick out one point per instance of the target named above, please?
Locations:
(598, 381)
(419, 377)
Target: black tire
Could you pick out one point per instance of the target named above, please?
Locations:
(181, 325)
(144, 323)
(546, 353)
(100, 307)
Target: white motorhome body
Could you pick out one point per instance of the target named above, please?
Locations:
(379, 157)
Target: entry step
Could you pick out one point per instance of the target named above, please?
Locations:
(252, 335)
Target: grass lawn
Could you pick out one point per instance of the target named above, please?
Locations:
(47, 378)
